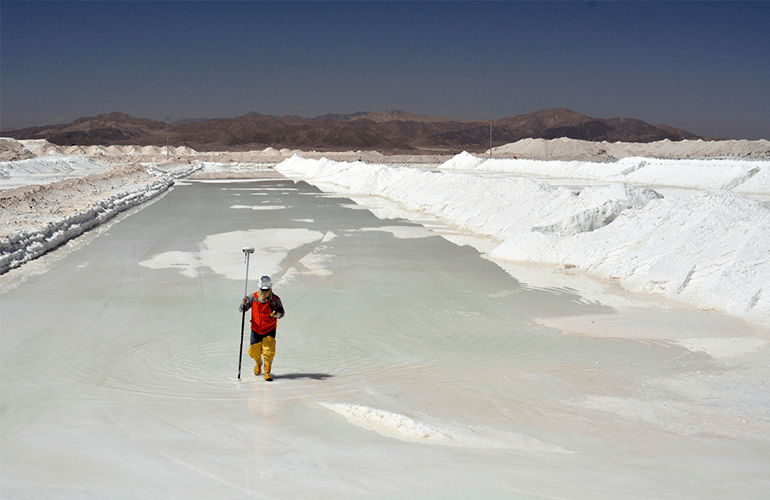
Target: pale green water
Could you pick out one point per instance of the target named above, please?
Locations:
(119, 380)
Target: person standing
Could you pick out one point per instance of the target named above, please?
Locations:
(266, 310)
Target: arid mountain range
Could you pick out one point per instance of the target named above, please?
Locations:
(395, 131)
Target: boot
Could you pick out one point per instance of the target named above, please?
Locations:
(268, 352)
(255, 351)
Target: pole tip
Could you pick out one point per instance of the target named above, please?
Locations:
(248, 249)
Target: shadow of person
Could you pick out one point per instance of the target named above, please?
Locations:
(294, 376)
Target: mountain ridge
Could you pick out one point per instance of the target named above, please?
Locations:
(395, 130)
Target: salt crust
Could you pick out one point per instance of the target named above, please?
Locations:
(215, 253)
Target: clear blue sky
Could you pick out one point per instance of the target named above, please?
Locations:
(701, 66)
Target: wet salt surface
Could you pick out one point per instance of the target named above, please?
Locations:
(407, 365)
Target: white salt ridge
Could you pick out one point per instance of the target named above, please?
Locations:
(386, 423)
(11, 149)
(489, 206)
(258, 207)
(686, 173)
(401, 427)
(208, 167)
(45, 170)
(577, 149)
(27, 245)
(41, 147)
(23, 246)
(29, 144)
(708, 249)
(721, 348)
(757, 183)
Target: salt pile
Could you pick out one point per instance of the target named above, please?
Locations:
(708, 248)
(744, 176)
(574, 149)
(41, 147)
(11, 150)
(46, 169)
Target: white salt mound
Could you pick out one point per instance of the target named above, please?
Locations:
(11, 150)
(574, 149)
(746, 176)
(386, 423)
(45, 169)
(708, 248)
(404, 428)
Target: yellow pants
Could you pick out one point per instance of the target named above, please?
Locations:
(266, 350)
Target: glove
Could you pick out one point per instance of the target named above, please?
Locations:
(244, 304)
(276, 314)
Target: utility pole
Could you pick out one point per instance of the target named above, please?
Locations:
(167, 152)
(490, 138)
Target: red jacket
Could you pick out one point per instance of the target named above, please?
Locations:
(261, 320)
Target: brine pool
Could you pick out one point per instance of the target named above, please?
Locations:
(407, 366)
